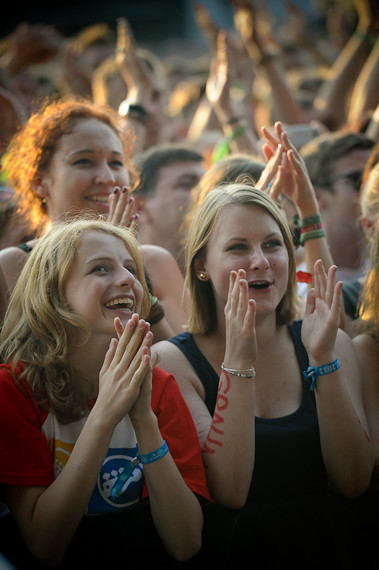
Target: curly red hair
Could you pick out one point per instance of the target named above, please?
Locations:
(31, 149)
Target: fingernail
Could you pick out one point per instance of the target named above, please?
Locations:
(125, 189)
(116, 190)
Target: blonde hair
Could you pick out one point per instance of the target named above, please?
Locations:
(38, 323)
(203, 315)
(368, 315)
(370, 195)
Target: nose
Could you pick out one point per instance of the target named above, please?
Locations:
(105, 175)
(258, 259)
(125, 278)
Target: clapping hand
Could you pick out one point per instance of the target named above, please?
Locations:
(125, 377)
(322, 316)
(241, 343)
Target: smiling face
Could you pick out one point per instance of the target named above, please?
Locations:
(102, 283)
(87, 165)
(247, 237)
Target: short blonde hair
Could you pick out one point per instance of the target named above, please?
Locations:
(203, 316)
(38, 321)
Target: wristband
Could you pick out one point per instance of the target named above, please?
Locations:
(128, 470)
(312, 373)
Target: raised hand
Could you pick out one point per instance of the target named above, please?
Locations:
(126, 367)
(294, 181)
(137, 76)
(322, 316)
(121, 209)
(241, 343)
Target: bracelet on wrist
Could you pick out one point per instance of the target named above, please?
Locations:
(312, 373)
(248, 373)
(310, 220)
(133, 463)
(222, 148)
(364, 37)
(311, 234)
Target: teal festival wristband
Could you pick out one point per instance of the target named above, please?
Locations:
(128, 470)
(312, 373)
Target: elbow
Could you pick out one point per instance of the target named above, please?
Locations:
(355, 487)
(46, 555)
(186, 549)
(233, 498)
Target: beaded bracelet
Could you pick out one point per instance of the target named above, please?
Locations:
(248, 373)
(133, 463)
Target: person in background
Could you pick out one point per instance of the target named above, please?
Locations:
(335, 163)
(167, 175)
(71, 157)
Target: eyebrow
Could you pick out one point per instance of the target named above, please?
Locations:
(92, 151)
(106, 258)
(268, 236)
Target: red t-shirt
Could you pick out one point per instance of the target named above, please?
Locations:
(34, 446)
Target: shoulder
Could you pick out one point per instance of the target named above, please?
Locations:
(170, 357)
(12, 260)
(17, 399)
(155, 254)
(366, 344)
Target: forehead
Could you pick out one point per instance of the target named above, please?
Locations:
(101, 244)
(243, 220)
(190, 168)
(354, 160)
(91, 134)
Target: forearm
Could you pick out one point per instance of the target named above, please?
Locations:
(60, 508)
(345, 444)
(228, 451)
(175, 509)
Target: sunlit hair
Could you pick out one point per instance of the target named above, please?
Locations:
(32, 148)
(39, 324)
(369, 197)
(368, 316)
(203, 315)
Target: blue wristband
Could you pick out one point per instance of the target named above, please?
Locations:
(154, 455)
(312, 373)
(128, 470)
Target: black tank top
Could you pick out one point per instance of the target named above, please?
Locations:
(288, 459)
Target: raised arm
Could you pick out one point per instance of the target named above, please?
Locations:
(345, 441)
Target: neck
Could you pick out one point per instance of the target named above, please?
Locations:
(86, 360)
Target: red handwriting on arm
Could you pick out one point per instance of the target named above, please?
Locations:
(222, 402)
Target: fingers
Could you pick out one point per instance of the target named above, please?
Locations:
(121, 207)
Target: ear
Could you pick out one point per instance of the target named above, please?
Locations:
(39, 186)
(200, 269)
(368, 226)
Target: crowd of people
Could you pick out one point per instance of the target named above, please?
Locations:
(189, 294)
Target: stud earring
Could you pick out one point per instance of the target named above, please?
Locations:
(202, 275)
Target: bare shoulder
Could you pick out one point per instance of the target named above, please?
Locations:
(172, 360)
(155, 255)
(12, 260)
(366, 345)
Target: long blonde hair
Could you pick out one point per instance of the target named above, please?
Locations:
(38, 322)
(368, 315)
(203, 315)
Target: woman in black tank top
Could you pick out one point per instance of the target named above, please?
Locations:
(269, 394)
